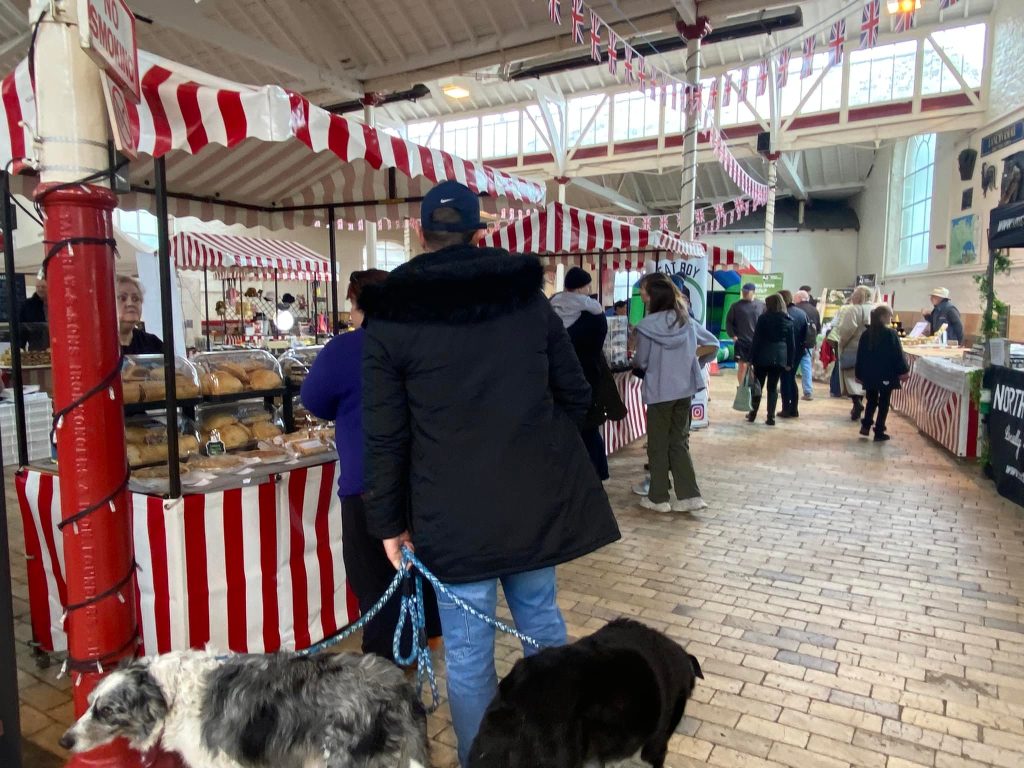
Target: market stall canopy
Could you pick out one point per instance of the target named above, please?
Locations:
(1006, 226)
(560, 228)
(263, 155)
(231, 255)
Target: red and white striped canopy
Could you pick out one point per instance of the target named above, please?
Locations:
(722, 257)
(258, 257)
(563, 229)
(265, 149)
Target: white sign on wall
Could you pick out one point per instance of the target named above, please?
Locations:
(694, 273)
(106, 30)
(124, 120)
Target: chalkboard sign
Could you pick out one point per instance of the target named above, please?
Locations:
(19, 292)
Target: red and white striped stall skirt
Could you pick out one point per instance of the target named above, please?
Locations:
(250, 570)
(944, 413)
(619, 434)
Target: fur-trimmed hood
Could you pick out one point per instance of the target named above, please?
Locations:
(457, 285)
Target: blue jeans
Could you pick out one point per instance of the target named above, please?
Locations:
(807, 373)
(469, 642)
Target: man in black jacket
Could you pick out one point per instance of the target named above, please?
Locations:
(790, 393)
(472, 396)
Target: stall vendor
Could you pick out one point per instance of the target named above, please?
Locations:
(34, 317)
(943, 312)
(134, 340)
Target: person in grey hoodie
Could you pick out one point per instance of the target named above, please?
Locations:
(666, 351)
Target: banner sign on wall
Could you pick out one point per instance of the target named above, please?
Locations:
(767, 283)
(1006, 430)
(1004, 137)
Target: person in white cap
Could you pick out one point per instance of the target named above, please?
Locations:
(943, 311)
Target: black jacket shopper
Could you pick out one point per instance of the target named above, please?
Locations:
(774, 341)
(472, 397)
(880, 364)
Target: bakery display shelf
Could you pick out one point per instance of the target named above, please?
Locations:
(137, 409)
(237, 397)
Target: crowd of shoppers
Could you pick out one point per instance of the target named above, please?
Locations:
(462, 381)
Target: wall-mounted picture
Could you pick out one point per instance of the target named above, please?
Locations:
(967, 199)
(963, 241)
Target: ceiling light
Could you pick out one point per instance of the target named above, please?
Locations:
(455, 91)
(902, 6)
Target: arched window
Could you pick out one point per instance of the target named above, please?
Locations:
(916, 218)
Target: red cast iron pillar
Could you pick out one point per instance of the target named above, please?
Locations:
(72, 129)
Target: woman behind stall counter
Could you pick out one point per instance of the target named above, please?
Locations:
(333, 391)
(134, 340)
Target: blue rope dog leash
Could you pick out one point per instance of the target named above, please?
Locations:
(409, 579)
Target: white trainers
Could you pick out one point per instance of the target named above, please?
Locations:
(646, 503)
(689, 505)
(642, 489)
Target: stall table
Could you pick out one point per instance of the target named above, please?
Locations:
(252, 569)
(619, 434)
(937, 398)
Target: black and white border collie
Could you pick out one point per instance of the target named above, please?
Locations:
(618, 692)
(260, 711)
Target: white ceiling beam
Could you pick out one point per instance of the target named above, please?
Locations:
(790, 174)
(687, 10)
(616, 198)
(189, 19)
(493, 50)
(724, 9)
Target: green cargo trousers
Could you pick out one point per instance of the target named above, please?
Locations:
(668, 449)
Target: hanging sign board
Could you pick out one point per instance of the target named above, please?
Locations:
(106, 30)
(124, 118)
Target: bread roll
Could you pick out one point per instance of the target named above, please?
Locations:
(235, 436)
(153, 454)
(188, 445)
(132, 391)
(136, 435)
(221, 383)
(187, 388)
(219, 421)
(266, 430)
(256, 417)
(154, 391)
(135, 373)
(265, 379)
(156, 373)
(134, 455)
(235, 370)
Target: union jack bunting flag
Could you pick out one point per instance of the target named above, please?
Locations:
(782, 76)
(698, 216)
(869, 20)
(807, 68)
(713, 93)
(836, 41)
(555, 11)
(577, 22)
(727, 90)
(675, 96)
(904, 22)
(744, 82)
(628, 59)
(762, 77)
(719, 211)
(595, 36)
(613, 52)
(945, 5)
(641, 71)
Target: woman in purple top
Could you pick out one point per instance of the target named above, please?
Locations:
(333, 390)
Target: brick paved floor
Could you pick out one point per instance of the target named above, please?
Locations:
(852, 604)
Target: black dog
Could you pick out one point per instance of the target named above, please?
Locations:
(621, 690)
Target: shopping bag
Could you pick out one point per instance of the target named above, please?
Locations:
(745, 394)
